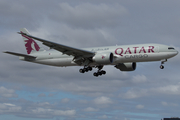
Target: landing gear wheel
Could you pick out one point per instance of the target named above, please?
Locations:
(99, 73)
(103, 72)
(162, 67)
(90, 68)
(85, 69)
(81, 70)
(95, 74)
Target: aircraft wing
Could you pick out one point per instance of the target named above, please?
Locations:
(63, 48)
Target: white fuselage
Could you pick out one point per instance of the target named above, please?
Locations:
(122, 54)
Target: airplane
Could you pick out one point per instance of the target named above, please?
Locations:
(122, 57)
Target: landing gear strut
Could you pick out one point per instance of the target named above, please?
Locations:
(162, 62)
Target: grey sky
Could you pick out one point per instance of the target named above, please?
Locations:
(35, 91)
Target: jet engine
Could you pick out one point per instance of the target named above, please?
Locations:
(126, 66)
(103, 58)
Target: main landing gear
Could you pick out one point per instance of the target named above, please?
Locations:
(96, 74)
(162, 62)
(99, 72)
(85, 69)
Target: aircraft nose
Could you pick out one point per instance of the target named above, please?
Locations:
(177, 52)
(173, 53)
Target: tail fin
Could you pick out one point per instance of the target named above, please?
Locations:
(30, 44)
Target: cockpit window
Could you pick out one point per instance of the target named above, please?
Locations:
(170, 48)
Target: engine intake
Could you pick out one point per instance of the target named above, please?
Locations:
(103, 58)
(126, 66)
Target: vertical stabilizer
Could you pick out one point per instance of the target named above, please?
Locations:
(30, 44)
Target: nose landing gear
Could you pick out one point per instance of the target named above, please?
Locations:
(162, 67)
(162, 62)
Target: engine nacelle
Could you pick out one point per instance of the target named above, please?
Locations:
(103, 58)
(126, 66)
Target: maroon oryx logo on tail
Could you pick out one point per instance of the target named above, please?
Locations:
(30, 44)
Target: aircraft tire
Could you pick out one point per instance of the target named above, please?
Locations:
(81, 70)
(99, 73)
(90, 68)
(162, 67)
(86, 69)
(95, 74)
(103, 72)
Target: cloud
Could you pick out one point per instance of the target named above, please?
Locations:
(65, 113)
(102, 100)
(139, 78)
(44, 104)
(65, 100)
(103, 117)
(86, 24)
(6, 108)
(18, 11)
(164, 103)
(169, 89)
(43, 111)
(35, 110)
(134, 93)
(139, 106)
(9, 93)
(42, 95)
(94, 16)
(90, 109)
(169, 104)
(83, 101)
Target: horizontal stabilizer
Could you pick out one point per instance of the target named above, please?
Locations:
(20, 55)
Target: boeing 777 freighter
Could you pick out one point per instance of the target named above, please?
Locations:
(122, 57)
